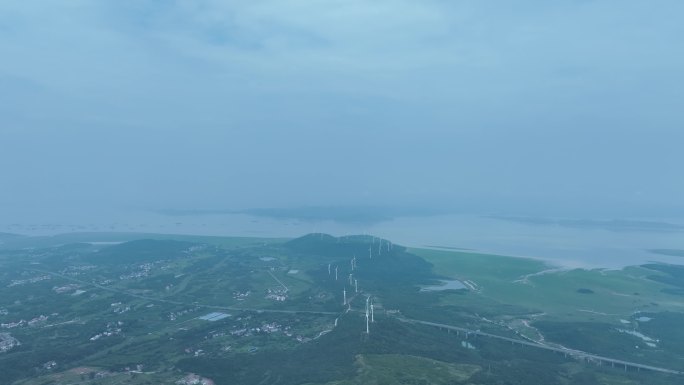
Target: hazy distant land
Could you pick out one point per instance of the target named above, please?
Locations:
(574, 243)
(613, 224)
(671, 252)
(342, 214)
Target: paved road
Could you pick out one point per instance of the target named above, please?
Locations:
(277, 280)
(575, 353)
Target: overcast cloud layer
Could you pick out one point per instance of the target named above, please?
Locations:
(569, 108)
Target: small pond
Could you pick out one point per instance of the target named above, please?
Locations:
(444, 284)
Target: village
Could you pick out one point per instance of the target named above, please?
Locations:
(39, 320)
(7, 342)
(112, 329)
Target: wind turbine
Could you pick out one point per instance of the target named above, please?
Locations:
(335, 273)
(328, 269)
(367, 325)
(372, 317)
(356, 286)
(350, 279)
(344, 296)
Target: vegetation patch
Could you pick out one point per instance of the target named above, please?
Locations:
(405, 369)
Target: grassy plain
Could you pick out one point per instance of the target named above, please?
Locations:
(571, 295)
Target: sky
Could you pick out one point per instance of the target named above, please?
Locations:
(534, 107)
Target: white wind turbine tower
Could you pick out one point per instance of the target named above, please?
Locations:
(335, 273)
(344, 296)
(372, 317)
(328, 269)
(367, 325)
(350, 280)
(356, 286)
(370, 252)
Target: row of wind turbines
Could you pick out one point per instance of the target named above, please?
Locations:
(353, 282)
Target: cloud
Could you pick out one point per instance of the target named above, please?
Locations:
(269, 102)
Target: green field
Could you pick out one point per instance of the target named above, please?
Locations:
(575, 295)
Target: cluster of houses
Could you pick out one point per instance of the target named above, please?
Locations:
(194, 379)
(17, 282)
(7, 342)
(119, 308)
(174, 315)
(76, 270)
(12, 325)
(278, 294)
(241, 296)
(268, 328)
(32, 322)
(66, 288)
(113, 329)
(144, 271)
(247, 331)
(195, 353)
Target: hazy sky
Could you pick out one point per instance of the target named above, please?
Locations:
(573, 107)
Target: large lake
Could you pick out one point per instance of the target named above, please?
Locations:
(560, 245)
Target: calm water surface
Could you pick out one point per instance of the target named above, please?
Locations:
(563, 246)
